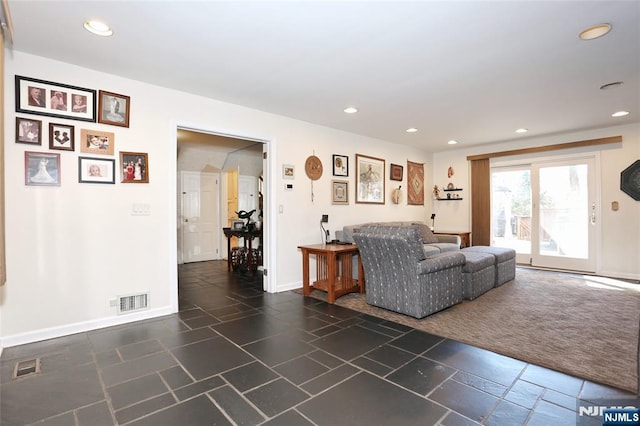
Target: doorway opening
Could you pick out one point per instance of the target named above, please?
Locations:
(209, 165)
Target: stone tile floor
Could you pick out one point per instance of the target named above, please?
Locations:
(237, 355)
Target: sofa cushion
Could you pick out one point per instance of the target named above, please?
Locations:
(410, 233)
(425, 232)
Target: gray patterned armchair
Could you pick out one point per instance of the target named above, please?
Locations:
(400, 278)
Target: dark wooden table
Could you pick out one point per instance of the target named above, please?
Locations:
(247, 236)
(334, 270)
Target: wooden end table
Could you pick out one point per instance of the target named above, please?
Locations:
(334, 270)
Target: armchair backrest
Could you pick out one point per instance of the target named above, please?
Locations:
(414, 247)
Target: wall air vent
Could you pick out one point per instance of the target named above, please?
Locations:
(133, 303)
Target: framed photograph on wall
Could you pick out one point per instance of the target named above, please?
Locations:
(61, 136)
(370, 176)
(340, 165)
(339, 192)
(96, 170)
(113, 109)
(97, 142)
(41, 168)
(28, 131)
(288, 171)
(395, 172)
(42, 97)
(134, 167)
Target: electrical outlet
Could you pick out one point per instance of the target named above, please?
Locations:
(325, 218)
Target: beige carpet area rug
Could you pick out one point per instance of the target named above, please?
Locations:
(585, 326)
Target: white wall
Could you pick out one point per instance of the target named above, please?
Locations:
(71, 249)
(619, 246)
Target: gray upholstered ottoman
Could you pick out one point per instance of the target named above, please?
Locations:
(478, 274)
(505, 262)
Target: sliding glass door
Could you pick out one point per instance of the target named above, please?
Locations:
(546, 211)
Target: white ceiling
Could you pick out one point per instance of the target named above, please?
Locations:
(471, 71)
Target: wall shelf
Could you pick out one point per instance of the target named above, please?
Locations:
(448, 199)
(454, 189)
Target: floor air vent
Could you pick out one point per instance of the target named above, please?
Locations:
(26, 368)
(135, 302)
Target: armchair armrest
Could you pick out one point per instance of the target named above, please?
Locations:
(440, 262)
(449, 238)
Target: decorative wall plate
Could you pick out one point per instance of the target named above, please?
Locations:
(313, 167)
(630, 180)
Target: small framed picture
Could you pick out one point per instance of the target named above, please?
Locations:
(113, 109)
(288, 171)
(340, 165)
(96, 170)
(61, 137)
(96, 142)
(28, 131)
(396, 172)
(42, 97)
(134, 167)
(41, 168)
(237, 225)
(339, 192)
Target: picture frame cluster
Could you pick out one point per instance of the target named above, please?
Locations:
(36, 97)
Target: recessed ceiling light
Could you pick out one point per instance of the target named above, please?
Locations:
(98, 28)
(411, 130)
(351, 110)
(452, 142)
(620, 114)
(595, 31)
(611, 85)
(522, 130)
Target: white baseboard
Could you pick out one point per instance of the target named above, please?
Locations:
(289, 287)
(80, 327)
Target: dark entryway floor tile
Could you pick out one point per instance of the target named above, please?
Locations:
(591, 391)
(524, 394)
(144, 408)
(176, 377)
(278, 349)
(507, 413)
(481, 384)
(251, 329)
(198, 387)
(28, 400)
(329, 379)
(136, 350)
(95, 415)
(465, 400)
(546, 414)
(290, 418)
(345, 405)
(372, 366)
(553, 379)
(421, 375)
(236, 407)
(136, 390)
(209, 357)
(249, 376)
(325, 359)
(187, 337)
(118, 373)
(351, 342)
(276, 397)
(416, 341)
(301, 369)
(197, 411)
(390, 356)
(455, 419)
(489, 365)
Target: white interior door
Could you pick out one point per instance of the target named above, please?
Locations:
(248, 195)
(200, 216)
